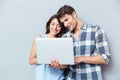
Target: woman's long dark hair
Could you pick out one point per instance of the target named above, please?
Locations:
(63, 28)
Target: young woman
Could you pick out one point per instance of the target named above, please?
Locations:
(54, 29)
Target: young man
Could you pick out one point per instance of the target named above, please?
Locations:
(91, 47)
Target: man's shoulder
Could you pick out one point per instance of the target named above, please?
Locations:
(93, 26)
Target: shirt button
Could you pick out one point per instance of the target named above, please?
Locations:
(78, 71)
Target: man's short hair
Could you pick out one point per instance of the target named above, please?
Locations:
(66, 9)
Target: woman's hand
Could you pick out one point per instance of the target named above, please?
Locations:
(56, 64)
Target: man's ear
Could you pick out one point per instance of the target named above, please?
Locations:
(74, 14)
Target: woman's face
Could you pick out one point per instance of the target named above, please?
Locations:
(54, 27)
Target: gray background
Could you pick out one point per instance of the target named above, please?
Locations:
(22, 20)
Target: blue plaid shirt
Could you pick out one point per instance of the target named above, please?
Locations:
(92, 40)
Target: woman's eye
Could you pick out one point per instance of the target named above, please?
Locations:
(52, 24)
(58, 25)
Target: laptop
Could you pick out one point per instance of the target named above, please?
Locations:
(60, 49)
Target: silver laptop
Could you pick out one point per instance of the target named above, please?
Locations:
(48, 49)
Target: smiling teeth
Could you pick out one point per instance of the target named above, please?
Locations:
(54, 31)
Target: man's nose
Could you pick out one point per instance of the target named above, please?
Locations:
(65, 24)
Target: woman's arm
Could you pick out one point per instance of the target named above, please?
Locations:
(32, 58)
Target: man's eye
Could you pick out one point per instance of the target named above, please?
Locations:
(66, 19)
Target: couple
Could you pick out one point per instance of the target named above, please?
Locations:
(91, 48)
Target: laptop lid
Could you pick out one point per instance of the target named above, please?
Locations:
(48, 49)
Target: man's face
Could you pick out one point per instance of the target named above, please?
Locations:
(69, 21)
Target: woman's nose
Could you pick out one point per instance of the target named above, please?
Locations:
(55, 27)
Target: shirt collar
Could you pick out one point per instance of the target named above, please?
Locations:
(84, 26)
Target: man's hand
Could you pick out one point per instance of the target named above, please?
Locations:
(78, 59)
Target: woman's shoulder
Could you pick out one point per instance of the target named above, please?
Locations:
(41, 36)
(38, 36)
